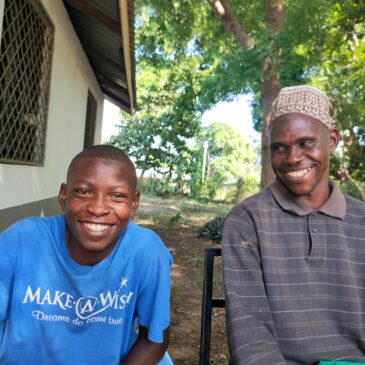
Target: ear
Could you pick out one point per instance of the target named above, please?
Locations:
(135, 202)
(334, 139)
(62, 195)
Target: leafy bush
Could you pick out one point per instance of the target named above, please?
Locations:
(349, 188)
(161, 188)
(243, 188)
(213, 229)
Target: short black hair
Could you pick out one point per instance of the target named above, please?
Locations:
(106, 152)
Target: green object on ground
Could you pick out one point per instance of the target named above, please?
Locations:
(335, 362)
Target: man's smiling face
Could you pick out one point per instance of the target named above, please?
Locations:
(98, 200)
(300, 151)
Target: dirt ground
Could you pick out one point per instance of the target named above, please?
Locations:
(177, 222)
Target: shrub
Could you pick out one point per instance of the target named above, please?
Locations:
(213, 229)
(161, 188)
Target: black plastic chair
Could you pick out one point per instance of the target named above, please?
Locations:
(208, 303)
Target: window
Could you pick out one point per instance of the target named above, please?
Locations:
(25, 71)
(90, 121)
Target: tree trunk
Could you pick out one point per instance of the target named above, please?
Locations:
(270, 84)
(269, 90)
(230, 23)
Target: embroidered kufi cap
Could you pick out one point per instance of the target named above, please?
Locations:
(306, 100)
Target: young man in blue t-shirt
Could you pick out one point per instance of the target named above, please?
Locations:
(73, 287)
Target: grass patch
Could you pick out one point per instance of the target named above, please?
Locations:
(162, 210)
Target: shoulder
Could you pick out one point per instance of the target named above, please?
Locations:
(141, 234)
(25, 225)
(31, 227)
(250, 215)
(26, 236)
(145, 241)
(354, 207)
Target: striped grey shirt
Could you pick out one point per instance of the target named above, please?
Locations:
(295, 279)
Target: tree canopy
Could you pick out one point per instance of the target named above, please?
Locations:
(230, 164)
(194, 53)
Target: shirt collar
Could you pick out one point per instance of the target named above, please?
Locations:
(334, 206)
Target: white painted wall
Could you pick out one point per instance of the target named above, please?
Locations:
(71, 79)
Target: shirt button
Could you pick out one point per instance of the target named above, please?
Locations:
(315, 230)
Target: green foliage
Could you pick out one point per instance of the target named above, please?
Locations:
(230, 159)
(342, 71)
(187, 62)
(342, 74)
(348, 181)
(213, 208)
(349, 188)
(242, 189)
(161, 188)
(157, 136)
(175, 218)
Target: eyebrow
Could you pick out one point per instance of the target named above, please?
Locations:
(301, 139)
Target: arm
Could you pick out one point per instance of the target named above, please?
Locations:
(250, 327)
(145, 352)
(152, 306)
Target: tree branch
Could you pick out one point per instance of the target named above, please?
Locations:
(274, 15)
(231, 25)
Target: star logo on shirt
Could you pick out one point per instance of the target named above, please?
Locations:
(123, 282)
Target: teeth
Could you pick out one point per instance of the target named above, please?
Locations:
(96, 227)
(299, 173)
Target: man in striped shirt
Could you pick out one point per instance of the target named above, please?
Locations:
(294, 254)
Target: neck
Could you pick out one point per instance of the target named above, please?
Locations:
(317, 197)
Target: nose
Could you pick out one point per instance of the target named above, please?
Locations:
(293, 155)
(97, 206)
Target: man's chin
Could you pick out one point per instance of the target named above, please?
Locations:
(297, 189)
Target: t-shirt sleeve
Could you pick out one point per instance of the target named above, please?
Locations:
(8, 247)
(153, 303)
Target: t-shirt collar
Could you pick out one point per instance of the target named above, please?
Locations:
(334, 206)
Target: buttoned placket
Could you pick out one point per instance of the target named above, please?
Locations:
(315, 249)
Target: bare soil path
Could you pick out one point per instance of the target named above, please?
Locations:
(177, 222)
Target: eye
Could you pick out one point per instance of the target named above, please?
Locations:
(278, 148)
(118, 196)
(82, 192)
(307, 144)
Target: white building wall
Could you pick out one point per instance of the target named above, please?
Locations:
(71, 79)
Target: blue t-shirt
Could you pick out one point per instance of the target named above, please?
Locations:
(59, 312)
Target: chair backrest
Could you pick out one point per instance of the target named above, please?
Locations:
(208, 302)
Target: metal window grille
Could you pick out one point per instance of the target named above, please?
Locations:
(25, 71)
(90, 121)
